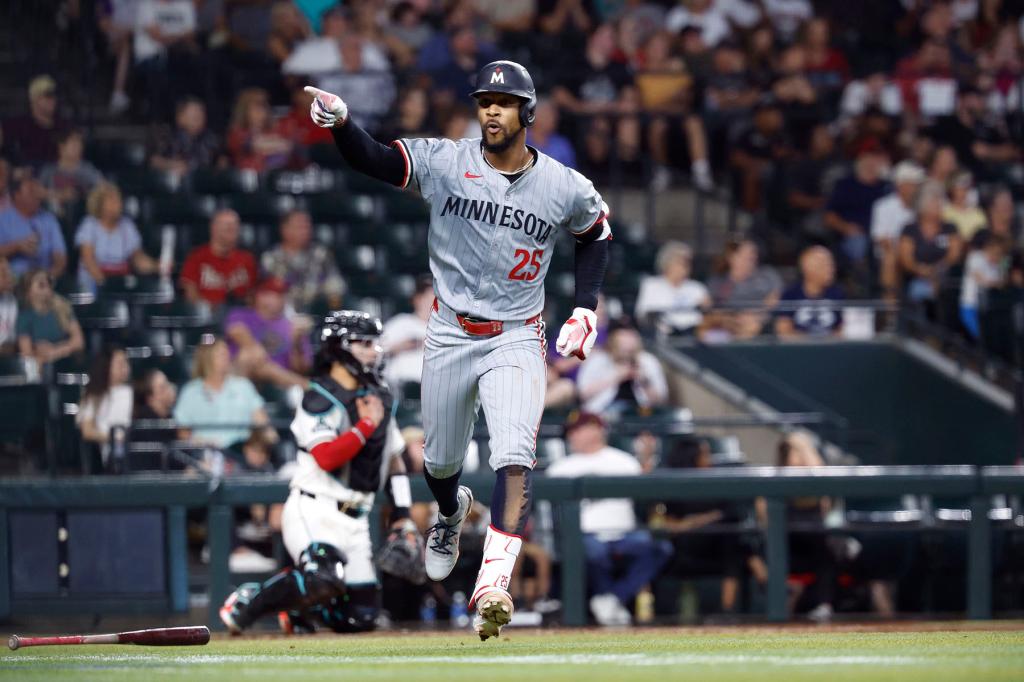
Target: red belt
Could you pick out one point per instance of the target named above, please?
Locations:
(484, 327)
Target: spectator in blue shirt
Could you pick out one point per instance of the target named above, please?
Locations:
(217, 407)
(809, 312)
(109, 244)
(30, 236)
(848, 211)
(545, 137)
(46, 329)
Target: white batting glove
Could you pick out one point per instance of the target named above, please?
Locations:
(578, 334)
(327, 110)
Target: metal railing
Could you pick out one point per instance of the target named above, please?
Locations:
(977, 485)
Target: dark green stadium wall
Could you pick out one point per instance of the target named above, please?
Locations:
(899, 409)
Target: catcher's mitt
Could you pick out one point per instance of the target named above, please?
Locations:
(401, 555)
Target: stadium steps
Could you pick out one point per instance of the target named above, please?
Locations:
(862, 390)
(676, 217)
(708, 394)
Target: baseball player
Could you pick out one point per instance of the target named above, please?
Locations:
(348, 447)
(495, 204)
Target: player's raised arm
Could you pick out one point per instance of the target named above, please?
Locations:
(362, 152)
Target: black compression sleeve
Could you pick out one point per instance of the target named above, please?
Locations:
(368, 156)
(591, 263)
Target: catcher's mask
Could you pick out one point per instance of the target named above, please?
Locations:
(340, 333)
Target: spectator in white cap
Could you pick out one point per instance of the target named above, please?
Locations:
(890, 215)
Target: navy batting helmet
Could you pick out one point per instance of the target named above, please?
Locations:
(512, 79)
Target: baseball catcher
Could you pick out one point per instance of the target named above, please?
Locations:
(349, 448)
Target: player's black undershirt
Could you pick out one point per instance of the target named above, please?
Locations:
(512, 177)
(591, 263)
(368, 156)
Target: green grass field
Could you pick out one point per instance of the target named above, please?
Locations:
(587, 656)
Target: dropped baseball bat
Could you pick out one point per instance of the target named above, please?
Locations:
(187, 636)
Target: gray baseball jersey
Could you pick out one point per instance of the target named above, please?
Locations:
(490, 248)
(490, 240)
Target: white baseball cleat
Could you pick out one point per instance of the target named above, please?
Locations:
(493, 610)
(443, 539)
(609, 611)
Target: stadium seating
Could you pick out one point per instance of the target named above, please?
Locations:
(177, 208)
(145, 182)
(260, 207)
(405, 207)
(340, 207)
(111, 155)
(327, 156)
(219, 182)
(102, 321)
(138, 290)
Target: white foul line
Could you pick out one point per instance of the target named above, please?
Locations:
(637, 659)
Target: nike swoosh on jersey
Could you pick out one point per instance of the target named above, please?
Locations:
(470, 176)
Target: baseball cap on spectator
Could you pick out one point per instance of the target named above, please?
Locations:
(623, 321)
(908, 171)
(274, 284)
(19, 176)
(424, 283)
(578, 418)
(42, 86)
(765, 103)
(967, 90)
(870, 145)
(962, 180)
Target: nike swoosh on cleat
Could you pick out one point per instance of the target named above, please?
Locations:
(470, 176)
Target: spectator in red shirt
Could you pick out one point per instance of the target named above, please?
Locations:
(827, 68)
(214, 271)
(255, 140)
(926, 80)
(298, 127)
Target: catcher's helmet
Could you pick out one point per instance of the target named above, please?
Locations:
(512, 79)
(339, 330)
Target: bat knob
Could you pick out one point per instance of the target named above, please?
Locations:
(13, 642)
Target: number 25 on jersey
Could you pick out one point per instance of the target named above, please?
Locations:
(524, 260)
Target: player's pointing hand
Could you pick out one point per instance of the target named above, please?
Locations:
(327, 110)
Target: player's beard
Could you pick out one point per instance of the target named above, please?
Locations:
(503, 143)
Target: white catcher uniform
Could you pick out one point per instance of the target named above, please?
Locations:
(490, 244)
(332, 507)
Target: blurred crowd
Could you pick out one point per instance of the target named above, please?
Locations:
(899, 151)
(876, 148)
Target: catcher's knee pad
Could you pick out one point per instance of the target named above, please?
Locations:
(355, 611)
(321, 569)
